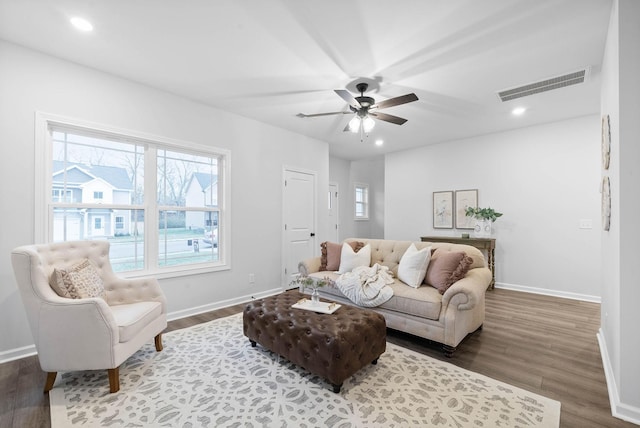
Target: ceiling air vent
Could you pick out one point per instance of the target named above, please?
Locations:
(545, 85)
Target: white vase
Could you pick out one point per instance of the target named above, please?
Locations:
(482, 228)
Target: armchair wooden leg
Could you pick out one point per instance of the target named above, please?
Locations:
(114, 380)
(51, 379)
(159, 342)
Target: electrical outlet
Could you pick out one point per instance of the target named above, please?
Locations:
(586, 224)
(252, 278)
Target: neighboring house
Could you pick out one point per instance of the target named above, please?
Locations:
(90, 184)
(202, 191)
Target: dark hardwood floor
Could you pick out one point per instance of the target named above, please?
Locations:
(543, 344)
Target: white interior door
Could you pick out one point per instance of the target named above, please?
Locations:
(334, 221)
(299, 220)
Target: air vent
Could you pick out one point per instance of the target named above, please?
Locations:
(545, 85)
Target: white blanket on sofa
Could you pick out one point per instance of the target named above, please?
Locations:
(367, 286)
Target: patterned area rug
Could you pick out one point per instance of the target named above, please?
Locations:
(210, 376)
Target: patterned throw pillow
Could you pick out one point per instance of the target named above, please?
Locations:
(79, 281)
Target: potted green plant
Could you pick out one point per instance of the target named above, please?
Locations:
(484, 220)
(314, 283)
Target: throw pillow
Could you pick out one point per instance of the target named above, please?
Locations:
(331, 251)
(413, 266)
(79, 281)
(445, 268)
(349, 259)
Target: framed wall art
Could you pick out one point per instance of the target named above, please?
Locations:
(443, 210)
(465, 199)
(606, 141)
(606, 203)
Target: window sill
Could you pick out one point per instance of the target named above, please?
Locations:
(174, 272)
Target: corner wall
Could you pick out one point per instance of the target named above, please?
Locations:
(620, 317)
(543, 178)
(30, 82)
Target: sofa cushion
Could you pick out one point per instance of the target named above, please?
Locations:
(350, 260)
(413, 265)
(424, 302)
(330, 254)
(131, 318)
(447, 267)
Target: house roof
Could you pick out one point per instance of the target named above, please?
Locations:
(79, 174)
(204, 180)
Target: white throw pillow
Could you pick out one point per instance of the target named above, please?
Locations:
(413, 266)
(350, 260)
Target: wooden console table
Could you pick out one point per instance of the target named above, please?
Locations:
(488, 244)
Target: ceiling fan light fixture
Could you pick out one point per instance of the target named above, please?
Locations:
(354, 124)
(368, 124)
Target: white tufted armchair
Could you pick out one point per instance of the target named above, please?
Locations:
(89, 333)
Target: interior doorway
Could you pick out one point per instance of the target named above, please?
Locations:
(299, 220)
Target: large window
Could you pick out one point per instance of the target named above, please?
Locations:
(361, 197)
(160, 204)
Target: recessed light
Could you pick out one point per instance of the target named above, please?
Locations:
(518, 111)
(379, 142)
(81, 24)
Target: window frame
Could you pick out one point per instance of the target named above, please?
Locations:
(43, 226)
(365, 188)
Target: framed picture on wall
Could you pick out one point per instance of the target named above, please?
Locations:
(443, 210)
(464, 200)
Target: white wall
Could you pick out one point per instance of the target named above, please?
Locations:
(371, 172)
(620, 317)
(339, 172)
(31, 82)
(368, 171)
(543, 178)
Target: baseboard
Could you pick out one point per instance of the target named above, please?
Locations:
(618, 409)
(16, 354)
(27, 351)
(547, 292)
(221, 304)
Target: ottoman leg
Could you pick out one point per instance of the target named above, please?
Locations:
(253, 343)
(336, 388)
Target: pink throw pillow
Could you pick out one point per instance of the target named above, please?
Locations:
(445, 268)
(330, 254)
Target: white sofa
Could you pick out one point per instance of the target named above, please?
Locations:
(445, 318)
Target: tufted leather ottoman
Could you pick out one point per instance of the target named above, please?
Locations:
(333, 346)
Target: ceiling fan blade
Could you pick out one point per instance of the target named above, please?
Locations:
(388, 118)
(396, 101)
(346, 95)
(323, 114)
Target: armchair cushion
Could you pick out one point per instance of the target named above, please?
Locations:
(131, 318)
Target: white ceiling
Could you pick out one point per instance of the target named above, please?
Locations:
(270, 60)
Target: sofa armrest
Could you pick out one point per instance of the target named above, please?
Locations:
(467, 292)
(309, 266)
